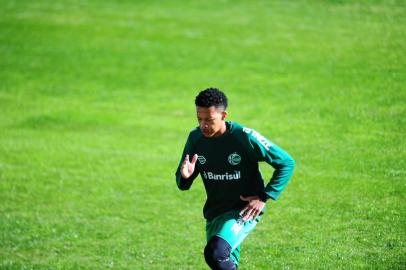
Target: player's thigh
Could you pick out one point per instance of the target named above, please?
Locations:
(231, 228)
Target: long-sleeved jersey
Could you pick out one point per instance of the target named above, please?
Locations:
(229, 167)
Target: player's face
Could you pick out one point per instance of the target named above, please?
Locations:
(211, 121)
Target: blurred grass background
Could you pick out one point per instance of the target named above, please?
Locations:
(96, 101)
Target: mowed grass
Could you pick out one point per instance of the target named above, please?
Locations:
(96, 101)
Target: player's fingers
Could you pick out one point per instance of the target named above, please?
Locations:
(246, 199)
(194, 159)
(243, 211)
(186, 159)
(248, 215)
(256, 214)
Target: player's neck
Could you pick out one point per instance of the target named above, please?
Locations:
(222, 130)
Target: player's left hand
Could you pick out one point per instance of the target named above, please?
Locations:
(253, 208)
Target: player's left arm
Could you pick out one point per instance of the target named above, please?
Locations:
(280, 160)
(284, 165)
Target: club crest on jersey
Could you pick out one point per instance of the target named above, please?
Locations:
(201, 159)
(234, 159)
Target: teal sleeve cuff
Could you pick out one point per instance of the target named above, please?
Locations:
(263, 196)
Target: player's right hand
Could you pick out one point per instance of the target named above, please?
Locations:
(187, 168)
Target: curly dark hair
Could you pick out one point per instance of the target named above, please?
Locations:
(211, 97)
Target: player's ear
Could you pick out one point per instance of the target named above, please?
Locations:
(224, 115)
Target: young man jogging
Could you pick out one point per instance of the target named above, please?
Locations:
(226, 156)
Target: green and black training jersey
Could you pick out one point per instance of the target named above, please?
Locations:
(229, 167)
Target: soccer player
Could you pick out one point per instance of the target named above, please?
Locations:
(226, 156)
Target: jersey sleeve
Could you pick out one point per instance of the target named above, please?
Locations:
(264, 150)
(185, 184)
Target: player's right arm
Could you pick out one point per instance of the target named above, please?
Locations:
(186, 172)
(188, 167)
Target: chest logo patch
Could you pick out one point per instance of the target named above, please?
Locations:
(234, 159)
(201, 159)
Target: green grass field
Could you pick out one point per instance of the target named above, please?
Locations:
(96, 101)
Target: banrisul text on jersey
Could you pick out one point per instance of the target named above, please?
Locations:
(236, 175)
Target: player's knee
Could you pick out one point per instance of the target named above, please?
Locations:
(217, 254)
